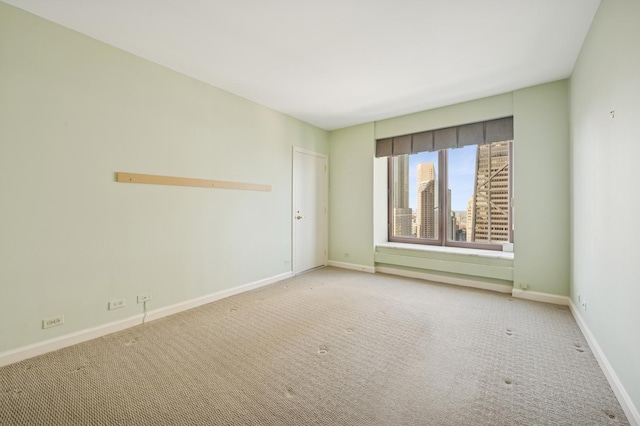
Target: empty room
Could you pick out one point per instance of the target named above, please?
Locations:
(319, 213)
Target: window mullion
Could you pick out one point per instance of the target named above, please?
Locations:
(442, 196)
(489, 197)
(511, 192)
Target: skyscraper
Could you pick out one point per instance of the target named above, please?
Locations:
(401, 210)
(471, 206)
(452, 225)
(427, 202)
(490, 221)
(426, 172)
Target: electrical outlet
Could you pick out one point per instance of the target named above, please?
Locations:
(584, 305)
(144, 297)
(52, 322)
(116, 304)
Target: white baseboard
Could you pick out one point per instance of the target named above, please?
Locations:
(443, 279)
(630, 410)
(199, 301)
(540, 297)
(25, 352)
(353, 266)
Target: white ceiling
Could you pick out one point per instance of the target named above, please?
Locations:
(336, 63)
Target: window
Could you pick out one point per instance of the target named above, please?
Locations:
(452, 187)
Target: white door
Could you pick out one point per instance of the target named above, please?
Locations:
(309, 210)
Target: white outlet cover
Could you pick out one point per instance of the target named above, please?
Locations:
(52, 322)
(144, 297)
(116, 304)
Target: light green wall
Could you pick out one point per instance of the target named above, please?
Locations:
(350, 195)
(541, 188)
(72, 112)
(380, 205)
(605, 176)
(541, 178)
(453, 115)
(488, 269)
(433, 262)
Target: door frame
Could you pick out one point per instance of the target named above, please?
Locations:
(325, 157)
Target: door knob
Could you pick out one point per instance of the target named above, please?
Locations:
(298, 217)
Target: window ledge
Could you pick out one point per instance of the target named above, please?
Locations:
(450, 250)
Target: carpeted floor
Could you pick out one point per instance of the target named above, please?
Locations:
(330, 347)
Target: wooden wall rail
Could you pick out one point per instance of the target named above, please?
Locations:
(181, 181)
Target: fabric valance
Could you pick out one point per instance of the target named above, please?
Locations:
(480, 133)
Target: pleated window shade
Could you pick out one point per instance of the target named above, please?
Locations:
(402, 145)
(480, 133)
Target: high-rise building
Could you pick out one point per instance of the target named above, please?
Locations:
(401, 212)
(490, 220)
(470, 225)
(428, 209)
(401, 181)
(402, 222)
(452, 225)
(426, 172)
(459, 225)
(427, 201)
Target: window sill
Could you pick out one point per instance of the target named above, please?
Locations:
(450, 250)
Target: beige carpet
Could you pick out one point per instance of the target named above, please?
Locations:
(330, 347)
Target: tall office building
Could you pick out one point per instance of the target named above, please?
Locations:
(452, 224)
(426, 172)
(427, 202)
(401, 211)
(460, 218)
(490, 220)
(470, 225)
(428, 209)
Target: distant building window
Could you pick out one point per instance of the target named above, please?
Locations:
(459, 195)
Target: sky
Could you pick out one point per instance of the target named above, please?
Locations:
(462, 167)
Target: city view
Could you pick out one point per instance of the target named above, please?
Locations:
(477, 197)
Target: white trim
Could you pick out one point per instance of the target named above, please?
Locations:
(540, 297)
(353, 266)
(464, 251)
(616, 385)
(309, 152)
(199, 301)
(444, 279)
(325, 158)
(25, 352)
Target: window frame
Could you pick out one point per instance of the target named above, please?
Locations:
(443, 185)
